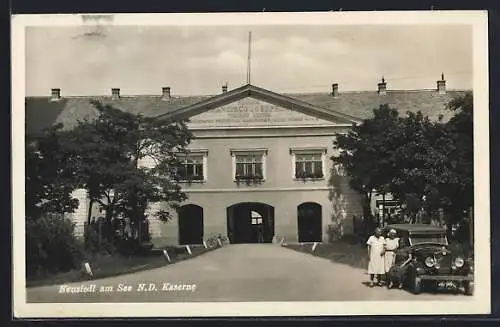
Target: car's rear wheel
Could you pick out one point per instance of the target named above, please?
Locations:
(469, 288)
(415, 283)
(417, 286)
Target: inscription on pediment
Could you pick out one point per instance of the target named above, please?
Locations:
(254, 113)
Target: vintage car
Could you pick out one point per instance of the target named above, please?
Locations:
(428, 261)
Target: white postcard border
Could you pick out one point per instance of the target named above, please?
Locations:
(478, 304)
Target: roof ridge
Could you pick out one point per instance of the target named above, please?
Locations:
(124, 96)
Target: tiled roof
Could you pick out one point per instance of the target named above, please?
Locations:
(41, 112)
(361, 104)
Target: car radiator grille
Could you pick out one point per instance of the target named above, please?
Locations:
(444, 262)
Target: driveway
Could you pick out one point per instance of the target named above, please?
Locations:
(245, 272)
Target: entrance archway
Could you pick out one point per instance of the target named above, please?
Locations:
(309, 222)
(250, 222)
(190, 224)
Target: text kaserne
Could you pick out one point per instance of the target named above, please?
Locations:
(165, 287)
(178, 287)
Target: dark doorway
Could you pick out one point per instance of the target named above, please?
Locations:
(309, 222)
(250, 222)
(190, 224)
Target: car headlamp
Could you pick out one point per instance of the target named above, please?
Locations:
(429, 262)
(459, 262)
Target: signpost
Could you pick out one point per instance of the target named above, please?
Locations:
(87, 269)
(165, 253)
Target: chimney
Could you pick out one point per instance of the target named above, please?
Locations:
(115, 93)
(165, 92)
(382, 87)
(441, 85)
(224, 88)
(55, 95)
(335, 90)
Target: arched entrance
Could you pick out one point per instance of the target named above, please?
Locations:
(309, 222)
(190, 224)
(250, 222)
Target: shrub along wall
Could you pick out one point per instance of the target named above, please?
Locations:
(51, 246)
(54, 254)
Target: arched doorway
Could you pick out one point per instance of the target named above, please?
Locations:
(250, 222)
(309, 222)
(190, 224)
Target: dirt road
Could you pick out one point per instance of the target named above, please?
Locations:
(246, 272)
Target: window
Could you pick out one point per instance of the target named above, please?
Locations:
(421, 239)
(308, 164)
(256, 221)
(256, 218)
(193, 167)
(249, 165)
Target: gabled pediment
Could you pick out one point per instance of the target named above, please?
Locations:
(250, 106)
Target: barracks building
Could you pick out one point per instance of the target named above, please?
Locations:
(259, 162)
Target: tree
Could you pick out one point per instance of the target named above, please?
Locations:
(49, 182)
(427, 165)
(435, 163)
(420, 165)
(101, 162)
(110, 149)
(49, 175)
(459, 191)
(366, 154)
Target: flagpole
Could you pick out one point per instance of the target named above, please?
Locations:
(249, 56)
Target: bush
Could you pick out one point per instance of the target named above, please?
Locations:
(51, 246)
(109, 237)
(97, 244)
(334, 232)
(133, 247)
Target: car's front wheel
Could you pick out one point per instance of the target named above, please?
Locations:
(469, 287)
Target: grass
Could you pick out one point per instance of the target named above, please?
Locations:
(113, 265)
(344, 252)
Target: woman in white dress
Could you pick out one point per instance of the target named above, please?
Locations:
(376, 254)
(390, 246)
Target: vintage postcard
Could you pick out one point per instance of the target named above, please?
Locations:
(250, 164)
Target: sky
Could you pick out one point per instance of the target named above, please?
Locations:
(86, 60)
